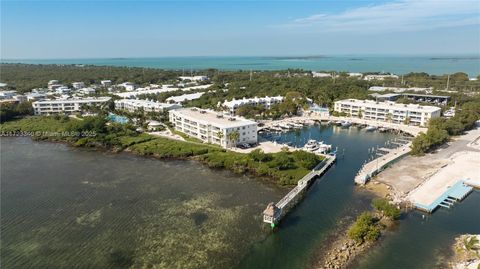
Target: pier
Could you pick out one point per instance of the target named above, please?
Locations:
(384, 156)
(447, 199)
(275, 212)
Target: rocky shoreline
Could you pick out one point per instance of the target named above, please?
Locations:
(342, 251)
(466, 249)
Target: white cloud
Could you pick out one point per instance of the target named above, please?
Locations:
(396, 16)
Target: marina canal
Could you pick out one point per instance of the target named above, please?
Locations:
(136, 211)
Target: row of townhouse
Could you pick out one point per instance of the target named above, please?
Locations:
(388, 111)
(66, 106)
(214, 127)
(266, 102)
(133, 105)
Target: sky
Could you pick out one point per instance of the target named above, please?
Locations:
(102, 29)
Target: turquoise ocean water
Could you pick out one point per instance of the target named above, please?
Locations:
(437, 65)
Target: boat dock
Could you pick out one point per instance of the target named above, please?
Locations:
(383, 157)
(275, 212)
(453, 194)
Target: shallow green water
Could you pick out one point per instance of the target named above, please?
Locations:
(67, 208)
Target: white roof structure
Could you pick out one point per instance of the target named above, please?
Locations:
(389, 105)
(194, 78)
(7, 94)
(206, 116)
(355, 74)
(252, 101)
(147, 105)
(399, 90)
(321, 75)
(185, 97)
(164, 88)
(75, 100)
(379, 77)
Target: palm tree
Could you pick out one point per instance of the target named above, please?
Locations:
(389, 117)
(471, 243)
(220, 136)
(233, 137)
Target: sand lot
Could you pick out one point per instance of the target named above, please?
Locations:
(463, 165)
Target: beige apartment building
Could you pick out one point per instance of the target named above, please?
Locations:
(214, 127)
(388, 111)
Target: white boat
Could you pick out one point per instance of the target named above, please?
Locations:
(285, 126)
(311, 145)
(370, 128)
(346, 124)
(317, 147)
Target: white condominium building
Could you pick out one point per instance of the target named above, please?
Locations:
(78, 85)
(399, 90)
(214, 127)
(106, 83)
(65, 106)
(133, 105)
(321, 75)
(194, 78)
(379, 77)
(185, 97)
(388, 111)
(266, 102)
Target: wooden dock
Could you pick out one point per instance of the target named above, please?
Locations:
(275, 212)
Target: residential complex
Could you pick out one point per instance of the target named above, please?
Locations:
(388, 111)
(379, 77)
(185, 97)
(133, 105)
(194, 78)
(65, 106)
(425, 98)
(78, 85)
(214, 127)
(400, 90)
(267, 102)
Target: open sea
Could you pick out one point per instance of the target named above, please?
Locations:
(437, 65)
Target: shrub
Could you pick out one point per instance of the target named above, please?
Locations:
(365, 228)
(387, 209)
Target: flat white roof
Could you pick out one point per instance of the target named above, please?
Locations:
(181, 98)
(145, 103)
(397, 89)
(246, 101)
(77, 100)
(164, 88)
(206, 116)
(389, 104)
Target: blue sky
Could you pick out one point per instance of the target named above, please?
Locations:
(96, 29)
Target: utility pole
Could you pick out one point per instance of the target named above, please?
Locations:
(250, 74)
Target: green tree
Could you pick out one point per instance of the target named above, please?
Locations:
(259, 156)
